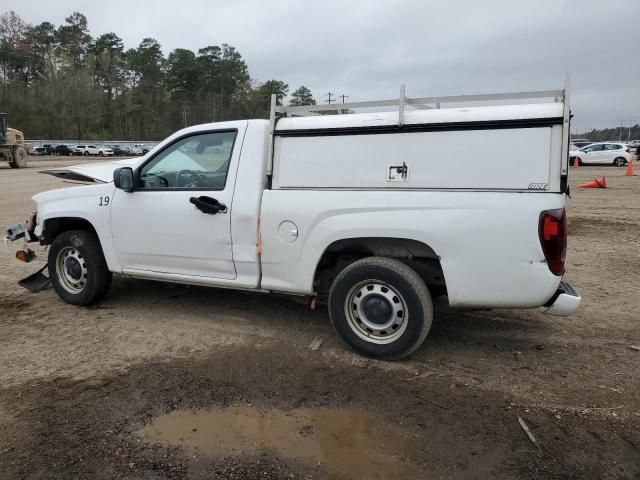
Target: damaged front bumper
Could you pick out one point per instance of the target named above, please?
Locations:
(564, 302)
(24, 230)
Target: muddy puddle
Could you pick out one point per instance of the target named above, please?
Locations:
(348, 443)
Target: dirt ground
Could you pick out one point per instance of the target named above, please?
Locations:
(78, 385)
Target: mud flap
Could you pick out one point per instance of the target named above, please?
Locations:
(36, 282)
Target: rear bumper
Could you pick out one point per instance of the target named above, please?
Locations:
(564, 302)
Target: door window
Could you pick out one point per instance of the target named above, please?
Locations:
(596, 148)
(613, 147)
(198, 162)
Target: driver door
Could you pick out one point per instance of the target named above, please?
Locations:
(594, 154)
(161, 226)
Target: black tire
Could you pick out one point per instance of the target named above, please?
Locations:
(100, 153)
(620, 162)
(91, 271)
(85, 153)
(19, 158)
(403, 284)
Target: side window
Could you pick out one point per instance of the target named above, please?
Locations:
(198, 162)
(597, 148)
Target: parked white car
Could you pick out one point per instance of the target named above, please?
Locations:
(605, 153)
(141, 147)
(373, 214)
(98, 150)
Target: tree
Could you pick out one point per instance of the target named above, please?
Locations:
(224, 75)
(273, 87)
(145, 67)
(108, 63)
(183, 80)
(74, 37)
(183, 75)
(43, 43)
(302, 96)
(14, 52)
(58, 82)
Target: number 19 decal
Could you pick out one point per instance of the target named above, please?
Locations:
(104, 201)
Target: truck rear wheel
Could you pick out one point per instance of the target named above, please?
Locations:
(77, 267)
(19, 158)
(381, 308)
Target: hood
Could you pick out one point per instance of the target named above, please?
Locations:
(93, 172)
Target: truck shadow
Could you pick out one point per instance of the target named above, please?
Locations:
(291, 316)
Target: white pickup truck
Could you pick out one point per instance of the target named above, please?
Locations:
(374, 213)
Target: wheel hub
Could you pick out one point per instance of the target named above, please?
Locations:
(73, 268)
(376, 312)
(377, 309)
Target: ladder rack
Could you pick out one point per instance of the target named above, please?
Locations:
(420, 103)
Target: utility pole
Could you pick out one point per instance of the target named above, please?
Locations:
(620, 133)
(330, 96)
(343, 96)
(622, 122)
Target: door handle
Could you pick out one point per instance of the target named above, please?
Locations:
(208, 205)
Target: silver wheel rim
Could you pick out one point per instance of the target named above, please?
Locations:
(379, 331)
(71, 270)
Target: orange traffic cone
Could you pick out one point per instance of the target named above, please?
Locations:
(576, 162)
(596, 183)
(629, 172)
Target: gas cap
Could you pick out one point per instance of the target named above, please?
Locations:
(288, 231)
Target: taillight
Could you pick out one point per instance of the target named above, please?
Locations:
(552, 231)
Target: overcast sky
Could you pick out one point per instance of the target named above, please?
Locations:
(366, 49)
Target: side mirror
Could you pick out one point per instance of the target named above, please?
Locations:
(123, 178)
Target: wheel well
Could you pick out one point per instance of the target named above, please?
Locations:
(55, 226)
(419, 256)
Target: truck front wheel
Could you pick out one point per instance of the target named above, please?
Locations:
(77, 267)
(381, 308)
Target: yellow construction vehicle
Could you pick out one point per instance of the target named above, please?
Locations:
(12, 146)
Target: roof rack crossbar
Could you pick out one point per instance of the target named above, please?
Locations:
(421, 102)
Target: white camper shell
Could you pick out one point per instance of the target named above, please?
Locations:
(502, 147)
